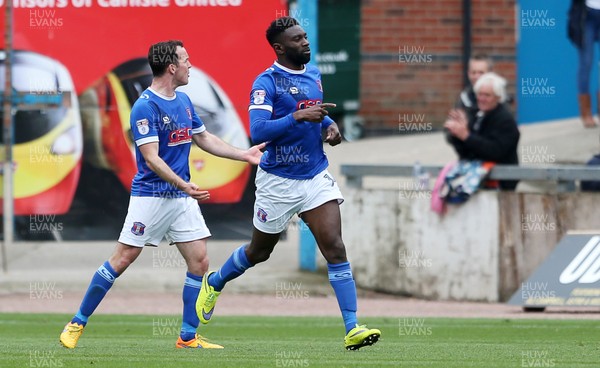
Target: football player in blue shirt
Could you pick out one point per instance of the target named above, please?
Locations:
(163, 202)
(287, 112)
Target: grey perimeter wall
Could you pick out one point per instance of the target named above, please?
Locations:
(481, 250)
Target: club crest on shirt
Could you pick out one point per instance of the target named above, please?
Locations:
(261, 215)
(319, 85)
(138, 228)
(259, 96)
(143, 126)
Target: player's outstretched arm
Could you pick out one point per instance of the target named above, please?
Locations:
(313, 114)
(216, 146)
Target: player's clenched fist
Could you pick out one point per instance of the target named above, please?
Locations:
(333, 135)
(313, 114)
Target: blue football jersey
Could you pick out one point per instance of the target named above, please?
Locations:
(171, 122)
(295, 148)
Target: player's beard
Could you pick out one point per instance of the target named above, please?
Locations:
(298, 58)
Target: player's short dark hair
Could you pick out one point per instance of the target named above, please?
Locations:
(278, 26)
(163, 54)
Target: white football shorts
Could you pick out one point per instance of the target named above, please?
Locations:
(150, 219)
(278, 199)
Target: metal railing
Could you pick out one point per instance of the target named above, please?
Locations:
(566, 176)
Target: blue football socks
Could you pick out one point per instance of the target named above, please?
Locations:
(190, 321)
(101, 282)
(340, 277)
(236, 265)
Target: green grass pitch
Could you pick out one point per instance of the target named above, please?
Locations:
(31, 340)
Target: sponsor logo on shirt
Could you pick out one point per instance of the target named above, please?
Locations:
(304, 104)
(180, 136)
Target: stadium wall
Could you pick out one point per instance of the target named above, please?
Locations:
(411, 57)
(479, 251)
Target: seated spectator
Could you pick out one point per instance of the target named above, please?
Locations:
(489, 135)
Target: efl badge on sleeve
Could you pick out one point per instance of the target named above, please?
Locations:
(259, 96)
(142, 126)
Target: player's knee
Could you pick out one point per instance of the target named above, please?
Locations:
(335, 251)
(198, 265)
(336, 258)
(203, 266)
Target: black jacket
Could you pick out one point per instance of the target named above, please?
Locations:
(495, 141)
(576, 22)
